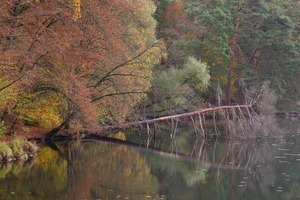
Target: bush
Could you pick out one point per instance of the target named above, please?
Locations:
(2, 127)
(178, 89)
(5, 152)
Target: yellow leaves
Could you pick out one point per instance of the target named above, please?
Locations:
(77, 9)
(46, 154)
(120, 135)
(42, 111)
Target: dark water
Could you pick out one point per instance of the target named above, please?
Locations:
(183, 167)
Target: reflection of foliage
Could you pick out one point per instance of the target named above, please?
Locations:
(287, 170)
(119, 169)
(177, 178)
(183, 139)
(192, 173)
(255, 177)
(290, 125)
(50, 162)
(119, 135)
(13, 169)
(5, 169)
(47, 177)
(246, 169)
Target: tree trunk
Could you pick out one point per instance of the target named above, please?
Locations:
(231, 59)
(48, 136)
(167, 118)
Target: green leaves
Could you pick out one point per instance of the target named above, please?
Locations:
(175, 89)
(265, 45)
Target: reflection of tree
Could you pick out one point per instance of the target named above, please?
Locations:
(192, 173)
(227, 163)
(176, 177)
(104, 170)
(252, 183)
(89, 170)
(287, 169)
(195, 169)
(235, 168)
(291, 125)
(45, 177)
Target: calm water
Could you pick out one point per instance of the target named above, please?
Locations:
(182, 167)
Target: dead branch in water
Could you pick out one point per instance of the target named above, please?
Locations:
(199, 113)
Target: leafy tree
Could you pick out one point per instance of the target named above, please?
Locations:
(272, 52)
(177, 89)
(97, 57)
(250, 40)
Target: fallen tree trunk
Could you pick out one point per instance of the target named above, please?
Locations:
(200, 113)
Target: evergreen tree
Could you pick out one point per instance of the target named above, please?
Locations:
(242, 39)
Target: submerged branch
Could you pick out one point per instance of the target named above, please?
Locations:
(170, 117)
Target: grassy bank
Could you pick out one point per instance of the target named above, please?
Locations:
(16, 149)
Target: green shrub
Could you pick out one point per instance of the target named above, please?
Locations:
(2, 128)
(178, 89)
(16, 147)
(20, 147)
(5, 152)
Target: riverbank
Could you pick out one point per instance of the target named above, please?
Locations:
(17, 146)
(22, 144)
(17, 149)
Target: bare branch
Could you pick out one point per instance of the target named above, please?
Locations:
(123, 64)
(114, 94)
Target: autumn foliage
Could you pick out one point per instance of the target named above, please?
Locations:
(88, 61)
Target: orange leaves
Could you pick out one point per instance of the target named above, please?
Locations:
(67, 47)
(175, 13)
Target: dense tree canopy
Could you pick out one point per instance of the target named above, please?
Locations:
(97, 56)
(241, 40)
(88, 63)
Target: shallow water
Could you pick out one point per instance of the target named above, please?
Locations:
(182, 167)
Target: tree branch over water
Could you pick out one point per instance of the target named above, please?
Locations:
(200, 113)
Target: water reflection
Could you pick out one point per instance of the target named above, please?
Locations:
(42, 178)
(101, 170)
(133, 166)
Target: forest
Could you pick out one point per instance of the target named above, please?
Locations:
(79, 65)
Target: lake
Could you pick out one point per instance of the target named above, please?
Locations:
(136, 165)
